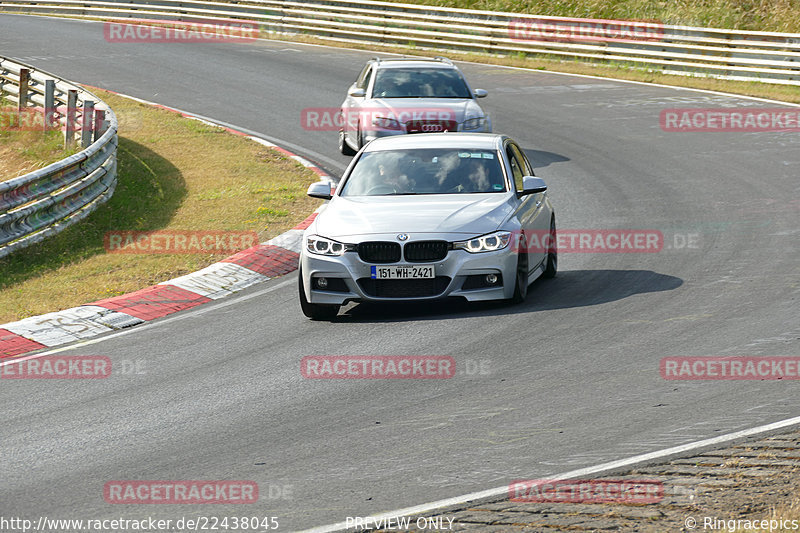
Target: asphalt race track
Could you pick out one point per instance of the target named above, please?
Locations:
(570, 378)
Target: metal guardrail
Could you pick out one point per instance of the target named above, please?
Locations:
(723, 53)
(44, 202)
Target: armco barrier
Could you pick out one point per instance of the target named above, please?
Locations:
(723, 53)
(42, 203)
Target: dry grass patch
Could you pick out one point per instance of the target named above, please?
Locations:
(24, 151)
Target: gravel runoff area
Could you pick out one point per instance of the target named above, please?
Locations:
(749, 481)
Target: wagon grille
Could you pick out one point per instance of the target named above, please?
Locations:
(431, 126)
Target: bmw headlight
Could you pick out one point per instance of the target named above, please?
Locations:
(322, 246)
(474, 123)
(486, 243)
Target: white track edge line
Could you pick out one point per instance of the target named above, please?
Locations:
(613, 465)
(527, 69)
(605, 466)
(590, 76)
(209, 306)
(498, 490)
(274, 142)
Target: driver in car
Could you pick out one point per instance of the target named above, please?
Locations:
(391, 181)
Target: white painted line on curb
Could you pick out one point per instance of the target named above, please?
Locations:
(291, 240)
(218, 280)
(68, 325)
(573, 474)
(158, 323)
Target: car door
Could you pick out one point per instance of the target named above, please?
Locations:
(352, 106)
(532, 210)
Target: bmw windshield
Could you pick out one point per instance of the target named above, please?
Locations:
(425, 171)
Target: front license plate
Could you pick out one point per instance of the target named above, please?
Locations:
(402, 272)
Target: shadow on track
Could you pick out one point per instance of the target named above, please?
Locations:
(572, 288)
(541, 159)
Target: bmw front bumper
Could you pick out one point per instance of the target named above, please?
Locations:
(459, 274)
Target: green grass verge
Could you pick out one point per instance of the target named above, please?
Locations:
(174, 174)
(23, 150)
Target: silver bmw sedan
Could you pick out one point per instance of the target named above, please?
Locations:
(429, 216)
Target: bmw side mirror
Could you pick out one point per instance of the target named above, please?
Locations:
(320, 189)
(533, 185)
(480, 93)
(357, 93)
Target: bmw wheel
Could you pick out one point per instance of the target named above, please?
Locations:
(521, 286)
(552, 253)
(345, 148)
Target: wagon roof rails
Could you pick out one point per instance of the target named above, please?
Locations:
(440, 59)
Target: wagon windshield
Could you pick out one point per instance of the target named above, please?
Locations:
(419, 83)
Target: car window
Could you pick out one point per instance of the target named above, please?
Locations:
(526, 166)
(363, 78)
(419, 83)
(425, 171)
(517, 166)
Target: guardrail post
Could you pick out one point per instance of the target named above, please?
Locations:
(49, 104)
(72, 111)
(24, 81)
(100, 124)
(45, 201)
(87, 123)
(22, 100)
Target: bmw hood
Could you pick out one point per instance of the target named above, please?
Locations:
(464, 214)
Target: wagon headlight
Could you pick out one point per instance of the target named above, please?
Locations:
(486, 243)
(386, 123)
(322, 246)
(474, 123)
